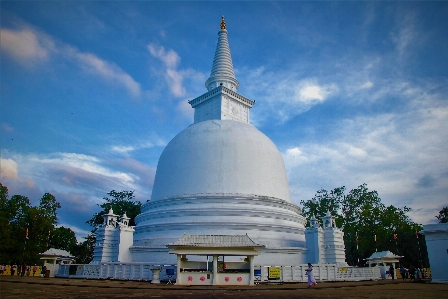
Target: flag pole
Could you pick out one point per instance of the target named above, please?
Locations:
(357, 248)
(376, 245)
(419, 251)
(24, 244)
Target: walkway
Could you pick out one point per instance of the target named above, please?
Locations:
(36, 287)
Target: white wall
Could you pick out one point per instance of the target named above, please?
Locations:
(436, 236)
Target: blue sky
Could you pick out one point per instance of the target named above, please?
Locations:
(350, 92)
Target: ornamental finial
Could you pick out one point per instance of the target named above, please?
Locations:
(223, 24)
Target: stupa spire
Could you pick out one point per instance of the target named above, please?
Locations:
(222, 73)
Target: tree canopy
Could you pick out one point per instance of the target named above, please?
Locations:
(369, 225)
(25, 230)
(443, 215)
(121, 202)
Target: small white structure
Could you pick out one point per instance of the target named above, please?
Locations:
(205, 272)
(436, 236)
(383, 259)
(325, 244)
(53, 258)
(113, 239)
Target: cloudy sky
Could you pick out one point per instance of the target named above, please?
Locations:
(350, 92)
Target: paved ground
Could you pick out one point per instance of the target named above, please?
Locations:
(49, 288)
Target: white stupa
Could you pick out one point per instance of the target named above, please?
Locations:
(221, 176)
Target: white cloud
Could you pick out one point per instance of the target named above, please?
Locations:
(406, 33)
(89, 164)
(6, 128)
(294, 157)
(366, 85)
(283, 95)
(25, 45)
(8, 169)
(170, 58)
(309, 92)
(402, 156)
(108, 71)
(123, 149)
(176, 80)
(173, 76)
(28, 46)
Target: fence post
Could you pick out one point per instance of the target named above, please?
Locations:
(131, 275)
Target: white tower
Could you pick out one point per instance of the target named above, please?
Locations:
(325, 244)
(113, 239)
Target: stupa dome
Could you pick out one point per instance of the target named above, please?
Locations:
(221, 157)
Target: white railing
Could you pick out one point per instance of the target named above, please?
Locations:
(323, 273)
(143, 271)
(110, 270)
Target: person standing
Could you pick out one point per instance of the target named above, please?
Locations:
(13, 269)
(34, 269)
(392, 271)
(23, 270)
(311, 280)
(402, 272)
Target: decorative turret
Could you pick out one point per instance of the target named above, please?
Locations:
(329, 221)
(125, 220)
(222, 70)
(110, 219)
(313, 222)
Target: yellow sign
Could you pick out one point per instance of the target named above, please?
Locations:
(274, 273)
(343, 269)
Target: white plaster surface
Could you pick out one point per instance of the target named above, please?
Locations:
(436, 236)
(221, 157)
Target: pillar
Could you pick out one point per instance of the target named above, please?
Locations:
(251, 276)
(179, 266)
(215, 270)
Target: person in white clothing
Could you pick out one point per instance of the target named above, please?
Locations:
(311, 280)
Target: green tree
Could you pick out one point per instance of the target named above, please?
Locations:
(5, 225)
(443, 215)
(365, 218)
(121, 202)
(324, 202)
(24, 228)
(83, 251)
(62, 238)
